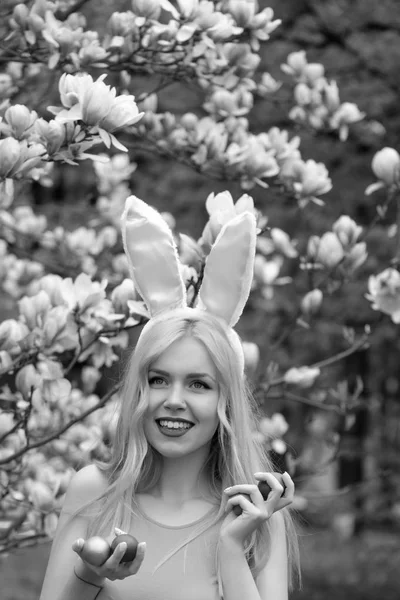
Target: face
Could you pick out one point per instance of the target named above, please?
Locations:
(182, 384)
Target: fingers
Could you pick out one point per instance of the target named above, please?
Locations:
(135, 565)
(281, 494)
(78, 545)
(289, 487)
(115, 558)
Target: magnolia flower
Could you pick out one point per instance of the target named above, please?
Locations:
(222, 209)
(40, 495)
(268, 85)
(311, 180)
(283, 243)
(12, 332)
(275, 426)
(347, 113)
(112, 173)
(9, 155)
(18, 158)
(190, 252)
(311, 303)
(121, 294)
(347, 231)
(384, 293)
(296, 63)
(97, 105)
(90, 376)
(326, 250)
(52, 134)
(150, 9)
(227, 103)
(303, 377)
(266, 273)
(83, 293)
(33, 309)
(386, 167)
(20, 120)
(355, 257)
(27, 380)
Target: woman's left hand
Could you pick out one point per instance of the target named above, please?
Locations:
(255, 509)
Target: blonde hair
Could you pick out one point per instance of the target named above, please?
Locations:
(235, 452)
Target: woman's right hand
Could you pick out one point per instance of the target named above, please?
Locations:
(112, 569)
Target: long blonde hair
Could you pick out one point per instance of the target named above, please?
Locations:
(235, 452)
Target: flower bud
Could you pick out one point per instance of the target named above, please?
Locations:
(386, 166)
(330, 250)
(90, 376)
(313, 71)
(189, 120)
(302, 94)
(27, 380)
(311, 303)
(20, 14)
(251, 356)
(40, 495)
(303, 377)
(150, 9)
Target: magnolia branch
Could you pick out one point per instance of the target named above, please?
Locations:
(358, 345)
(57, 434)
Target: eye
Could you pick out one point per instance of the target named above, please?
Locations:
(200, 385)
(156, 380)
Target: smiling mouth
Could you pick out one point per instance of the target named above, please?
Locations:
(174, 428)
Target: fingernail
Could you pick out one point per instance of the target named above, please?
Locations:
(227, 489)
(119, 531)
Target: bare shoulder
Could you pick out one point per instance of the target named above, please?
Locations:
(86, 484)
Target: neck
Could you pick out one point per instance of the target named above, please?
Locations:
(181, 481)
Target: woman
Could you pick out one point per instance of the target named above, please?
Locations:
(169, 489)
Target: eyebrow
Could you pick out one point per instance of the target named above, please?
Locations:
(161, 372)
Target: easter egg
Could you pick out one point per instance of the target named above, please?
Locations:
(131, 549)
(96, 550)
(264, 488)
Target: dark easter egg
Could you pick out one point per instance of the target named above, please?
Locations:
(264, 488)
(131, 549)
(96, 550)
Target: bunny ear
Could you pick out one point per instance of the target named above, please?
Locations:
(152, 256)
(228, 271)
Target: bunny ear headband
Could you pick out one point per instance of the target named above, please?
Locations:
(154, 267)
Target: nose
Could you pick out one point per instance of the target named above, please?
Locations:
(175, 396)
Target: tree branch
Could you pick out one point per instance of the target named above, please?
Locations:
(54, 436)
